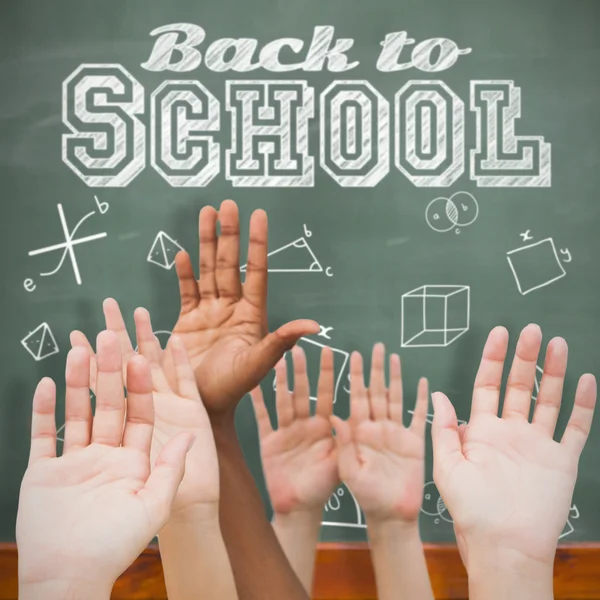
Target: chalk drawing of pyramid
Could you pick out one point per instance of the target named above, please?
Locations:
(295, 257)
(538, 379)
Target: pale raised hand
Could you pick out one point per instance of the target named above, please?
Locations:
(381, 461)
(507, 484)
(299, 458)
(223, 323)
(85, 516)
(177, 406)
(179, 409)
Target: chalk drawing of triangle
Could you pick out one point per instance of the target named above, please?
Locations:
(295, 257)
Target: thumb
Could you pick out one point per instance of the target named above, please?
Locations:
(447, 449)
(273, 346)
(348, 464)
(162, 485)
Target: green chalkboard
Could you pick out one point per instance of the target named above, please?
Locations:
(430, 170)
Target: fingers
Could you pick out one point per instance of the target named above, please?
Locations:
(255, 285)
(265, 355)
(517, 400)
(114, 322)
(110, 399)
(162, 484)
(348, 463)
(208, 252)
(325, 386)
(149, 348)
(418, 423)
(547, 406)
(486, 392)
(43, 421)
(283, 398)
(78, 339)
(580, 423)
(395, 392)
(359, 401)
(263, 421)
(447, 450)
(228, 252)
(377, 391)
(78, 408)
(301, 395)
(139, 423)
(186, 380)
(189, 294)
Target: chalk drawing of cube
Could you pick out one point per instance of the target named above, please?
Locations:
(435, 315)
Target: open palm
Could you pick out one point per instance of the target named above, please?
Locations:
(223, 323)
(381, 461)
(299, 458)
(505, 481)
(177, 404)
(95, 508)
(177, 410)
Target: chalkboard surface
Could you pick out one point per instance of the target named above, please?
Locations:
(430, 170)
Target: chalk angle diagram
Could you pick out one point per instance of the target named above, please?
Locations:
(342, 498)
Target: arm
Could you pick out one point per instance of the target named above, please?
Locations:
(193, 553)
(298, 535)
(261, 569)
(399, 561)
(299, 459)
(493, 472)
(383, 464)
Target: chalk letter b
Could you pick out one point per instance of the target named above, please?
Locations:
(188, 57)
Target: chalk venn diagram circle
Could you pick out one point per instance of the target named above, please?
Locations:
(433, 505)
(443, 214)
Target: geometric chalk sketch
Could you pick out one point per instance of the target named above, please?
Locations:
(536, 265)
(433, 505)
(435, 315)
(429, 418)
(67, 245)
(163, 337)
(312, 350)
(443, 214)
(295, 257)
(536, 382)
(163, 251)
(342, 510)
(568, 529)
(40, 342)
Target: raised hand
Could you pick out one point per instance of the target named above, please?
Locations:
(84, 517)
(223, 323)
(177, 406)
(381, 461)
(507, 484)
(179, 409)
(299, 458)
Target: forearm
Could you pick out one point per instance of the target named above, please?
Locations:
(259, 565)
(65, 589)
(399, 561)
(298, 535)
(195, 560)
(506, 576)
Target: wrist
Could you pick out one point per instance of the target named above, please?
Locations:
(204, 516)
(299, 520)
(502, 572)
(398, 530)
(65, 589)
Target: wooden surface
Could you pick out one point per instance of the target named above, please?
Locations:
(344, 573)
